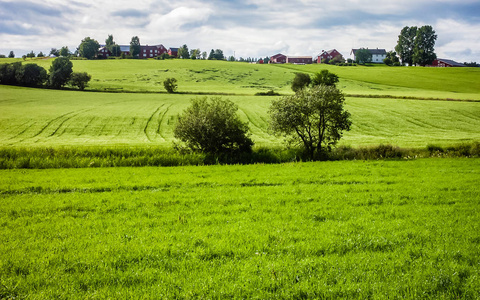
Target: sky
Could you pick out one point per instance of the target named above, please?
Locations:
(243, 28)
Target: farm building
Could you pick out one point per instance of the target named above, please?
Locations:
(378, 55)
(445, 63)
(145, 51)
(278, 59)
(173, 51)
(299, 60)
(328, 55)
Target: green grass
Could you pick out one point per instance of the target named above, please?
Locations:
(351, 230)
(45, 118)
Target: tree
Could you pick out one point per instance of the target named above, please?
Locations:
(183, 52)
(204, 55)
(195, 54)
(313, 117)
(80, 80)
(11, 55)
(363, 56)
(324, 77)
(40, 54)
(391, 59)
(60, 72)
(213, 127)
(218, 54)
(170, 85)
(8, 72)
(31, 54)
(135, 47)
(88, 48)
(116, 50)
(54, 52)
(112, 46)
(211, 55)
(406, 44)
(65, 52)
(109, 42)
(424, 49)
(300, 81)
(31, 75)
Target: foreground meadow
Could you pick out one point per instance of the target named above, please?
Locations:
(356, 230)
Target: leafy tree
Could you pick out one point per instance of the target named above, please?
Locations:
(40, 54)
(88, 48)
(109, 42)
(170, 85)
(135, 47)
(31, 75)
(31, 54)
(218, 54)
(183, 52)
(363, 56)
(65, 52)
(391, 59)
(313, 117)
(424, 49)
(116, 50)
(195, 54)
(204, 55)
(406, 44)
(11, 55)
(80, 80)
(324, 77)
(112, 46)
(54, 52)
(300, 81)
(60, 72)
(471, 64)
(337, 60)
(213, 127)
(211, 55)
(8, 72)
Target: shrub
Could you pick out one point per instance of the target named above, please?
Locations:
(269, 93)
(170, 85)
(213, 127)
(300, 81)
(80, 80)
(60, 72)
(31, 75)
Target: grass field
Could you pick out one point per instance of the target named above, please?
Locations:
(37, 117)
(356, 230)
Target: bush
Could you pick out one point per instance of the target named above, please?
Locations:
(80, 80)
(213, 127)
(8, 72)
(269, 93)
(60, 72)
(300, 81)
(31, 75)
(170, 85)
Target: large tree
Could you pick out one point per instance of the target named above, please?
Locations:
(424, 49)
(31, 75)
(60, 72)
(300, 81)
(64, 51)
(135, 47)
(88, 48)
(324, 77)
(313, 117)
(112, 46)
(183, 52)
(11, 54)
(213, 127)
(406, 44)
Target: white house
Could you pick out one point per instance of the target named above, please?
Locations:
(378, 55)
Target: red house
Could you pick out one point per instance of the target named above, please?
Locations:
(152, 51)
(173, 51)
(445, 63)
(278, 59)
(328, 55)
(103, 52)
(299, 60)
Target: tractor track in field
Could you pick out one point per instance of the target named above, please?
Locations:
(145, 131)
(160, 120)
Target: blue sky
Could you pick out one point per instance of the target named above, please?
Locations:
(244, 28)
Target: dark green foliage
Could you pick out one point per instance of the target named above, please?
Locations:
(54, 52)
(135, 47)
(31, 75)
(324, 77)
(391, 59)
(363, 56)
(11, 54)
(88, 48)
(8, 72)
(40, 54)
(80, 79)
(65, 52)
(424, 50)
(314, 118)
(300, 81)
(170, 85)
(183, 52)
(216, 54)
(268, 93)
(213, 126)
(60, 72)
(406, 44)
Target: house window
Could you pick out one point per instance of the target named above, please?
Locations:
(151, 51)
(144, 55)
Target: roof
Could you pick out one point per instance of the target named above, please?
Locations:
(299, 57)
(451, 62)
(373, 51)
(173, 49)
(277, 55)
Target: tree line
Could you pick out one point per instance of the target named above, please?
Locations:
(32, 75)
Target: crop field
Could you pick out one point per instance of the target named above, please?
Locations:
(356, 230)
(38, 117)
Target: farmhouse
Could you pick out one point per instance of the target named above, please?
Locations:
(145, 51)
(278, 59)
(445, 63)
(328, 55)
(378, 55)
(299, 60)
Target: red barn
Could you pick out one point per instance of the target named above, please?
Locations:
(103, 52)
(173, 51)
(328, 55)
(299, 60)
(445, 63)
(278, 59)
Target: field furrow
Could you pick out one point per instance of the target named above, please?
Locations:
(147, 125)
